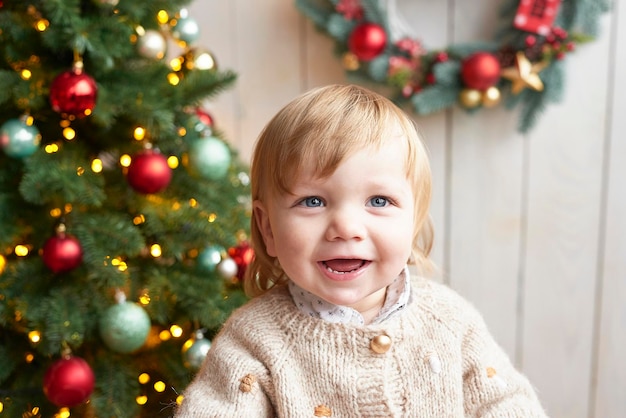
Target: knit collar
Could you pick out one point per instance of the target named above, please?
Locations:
(398, 294)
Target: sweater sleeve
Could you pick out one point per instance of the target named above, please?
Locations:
(493, 388)
(230, 383)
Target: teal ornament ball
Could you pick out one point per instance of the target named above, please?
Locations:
(186, 29)
(124, 327)
(209, 158)
(209, 258)
(194, 355)
(18, 139)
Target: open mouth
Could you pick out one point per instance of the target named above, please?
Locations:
(344, 265)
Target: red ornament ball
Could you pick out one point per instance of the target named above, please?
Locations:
(367, 41)
(205, 117)
(62, 253)
(73, 92)
(68, 382)
(149, 172)
(480, 71)
(242, 255)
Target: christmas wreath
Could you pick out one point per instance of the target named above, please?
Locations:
(522, 66)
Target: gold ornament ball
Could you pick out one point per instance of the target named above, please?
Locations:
(491, 97)
(470, 98)
(350, 61)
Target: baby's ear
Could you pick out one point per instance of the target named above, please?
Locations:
(262, 219)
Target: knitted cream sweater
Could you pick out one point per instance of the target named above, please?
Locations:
(435, 359)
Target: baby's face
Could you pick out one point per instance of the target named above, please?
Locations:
(345, 237)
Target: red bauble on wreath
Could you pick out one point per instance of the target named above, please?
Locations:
(62, 252)
(73, 92)
(68, 382)
(367, 41)
(149, 172)
(480, 70)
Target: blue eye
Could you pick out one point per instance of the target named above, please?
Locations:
(379, 202)
(312, 202)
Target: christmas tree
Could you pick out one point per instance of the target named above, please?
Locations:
(123, 211)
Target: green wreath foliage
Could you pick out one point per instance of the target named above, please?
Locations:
(430, 80)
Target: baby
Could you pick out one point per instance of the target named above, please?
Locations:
(337, 326)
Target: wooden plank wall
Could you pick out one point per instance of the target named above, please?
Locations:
(530, 227)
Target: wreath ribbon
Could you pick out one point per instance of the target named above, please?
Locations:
(522, 66)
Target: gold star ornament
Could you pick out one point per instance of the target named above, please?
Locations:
(524, 74)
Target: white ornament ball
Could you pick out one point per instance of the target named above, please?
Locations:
(227, 268)
(152, 44)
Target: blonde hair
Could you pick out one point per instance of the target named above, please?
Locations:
(320, 129)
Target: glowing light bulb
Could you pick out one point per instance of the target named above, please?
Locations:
(139, 133)
(172, 162)
(141, 400)
(173, 79)
(34, 336)
(144, 378)
(176, 64)
(125, 160)
(21, 250)
(163, 17)
(144, 299)
(96, 165)
(41, 25)
(176, 331)
(69, 133)
(155, 250)
(159, 386)
(51, 148)
(188, 344)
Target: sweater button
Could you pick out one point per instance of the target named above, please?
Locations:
(381, 343)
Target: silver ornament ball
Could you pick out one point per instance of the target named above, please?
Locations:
(227, 268)
(152, 44)
(194, 355)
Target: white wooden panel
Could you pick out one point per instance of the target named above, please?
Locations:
(486, 188)
(566, 152)
(321, 66)
(217, 34)
(426, 21)
(483, 172)
(610, 400)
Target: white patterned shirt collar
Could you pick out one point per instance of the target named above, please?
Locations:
(398, 295)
